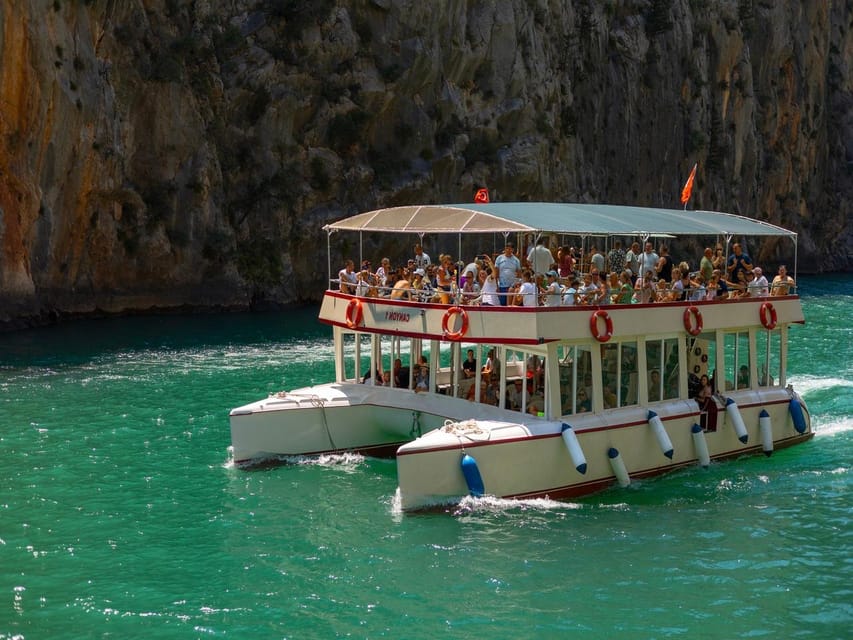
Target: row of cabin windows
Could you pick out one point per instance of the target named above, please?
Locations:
(625, 380)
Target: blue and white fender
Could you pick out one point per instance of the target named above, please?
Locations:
(765, 428)
(618, 465)
(661, 434)
(795, 407)
(701, 446)
(737, 420)
(574, 447)
(472, 476)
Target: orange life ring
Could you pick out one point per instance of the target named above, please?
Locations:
(608, 326)
(454, 335)
(354, 313)
(768, 316)
(691, 313)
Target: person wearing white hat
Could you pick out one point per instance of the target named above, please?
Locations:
(553, 292)
(762, 287)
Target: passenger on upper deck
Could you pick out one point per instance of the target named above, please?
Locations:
(738, 262)
(632, 261)
(509, 268)
(553, 292)
(445, 278)
(528, 296)
(601, 295)
(719, 260)
(540, 258)
(586, 292)
(644, 288)
(761, 286)
(706, 264)
(782, 283)
(470, 290)
(570, 293)
(649, 260)
(402, 287)
(488, 288)
(596, 260)
(626, 291)
(565, 262)
(348, 278)
(616, 258)
(422, 260)
(383, 272)
(665, 265)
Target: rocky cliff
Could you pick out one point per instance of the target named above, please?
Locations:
(185, 153)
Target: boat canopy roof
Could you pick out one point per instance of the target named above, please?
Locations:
(565, 218)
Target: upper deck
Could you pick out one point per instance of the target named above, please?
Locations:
(537, 325)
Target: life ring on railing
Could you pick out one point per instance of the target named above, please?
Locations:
(691, 313)
(354, 313)
(454, 335)
(608, 326)
(768, 316)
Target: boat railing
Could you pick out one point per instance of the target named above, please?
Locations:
(458, 296)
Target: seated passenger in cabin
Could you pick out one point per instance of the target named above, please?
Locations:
(654, 385)
(584, 402)
(401, 374)
(609, 396)
(704, 389)
(493, 364)
(535, 401)
(348, 278)
(743, 377)
(422, 378)
(513, 395)
(782, 283)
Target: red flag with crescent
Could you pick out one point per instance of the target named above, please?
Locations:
(688, 186)
(482, 196)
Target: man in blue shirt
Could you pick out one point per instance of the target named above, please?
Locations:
(738, 261)
(509, 268)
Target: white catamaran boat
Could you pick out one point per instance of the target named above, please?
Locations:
(571, 399)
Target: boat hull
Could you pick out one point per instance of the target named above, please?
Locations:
(531, 460)
(339, 417)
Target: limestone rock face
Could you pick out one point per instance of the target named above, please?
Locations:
(186, 153)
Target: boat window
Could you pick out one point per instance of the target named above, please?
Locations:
(737, 366)
(662, 368)
(575, 378)
(769, 351)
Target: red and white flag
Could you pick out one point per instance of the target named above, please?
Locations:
(688, 186)
(482, 196)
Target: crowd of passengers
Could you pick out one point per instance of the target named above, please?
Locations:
(566, 277)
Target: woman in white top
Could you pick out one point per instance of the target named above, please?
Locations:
(489, 288)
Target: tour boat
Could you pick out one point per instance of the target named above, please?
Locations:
(582, 397)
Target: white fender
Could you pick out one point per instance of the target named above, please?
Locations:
(660, 433)
(574, 447)
(766, 430)
(737, 420)
(619, 469)
(701, 446)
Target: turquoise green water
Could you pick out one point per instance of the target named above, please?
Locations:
(120, 516)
